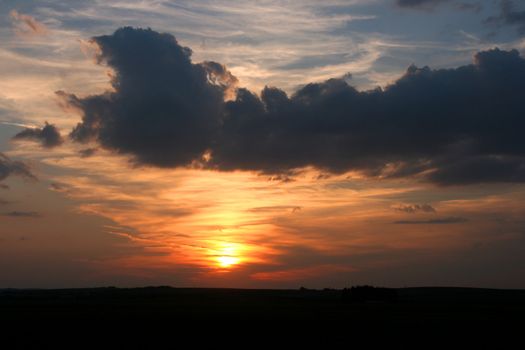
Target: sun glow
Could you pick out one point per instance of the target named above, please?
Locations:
(227, 261)
(227, 255)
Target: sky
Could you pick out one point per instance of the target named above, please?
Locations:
(262, 144)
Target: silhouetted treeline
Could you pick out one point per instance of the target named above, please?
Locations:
(359, 294)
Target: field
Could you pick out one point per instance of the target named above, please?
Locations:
(299, 315)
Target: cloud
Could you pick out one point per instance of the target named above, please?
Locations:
(55, 186)
(431, 4)
(162, 101)
(27, 25)
(468, 6)
(48, 136)
(443, 221)
(276, 208)
(448, 126)
(418, 3)
(22, 214)
(10, 167)
(414, 208)
(87, 152)
(509, 15)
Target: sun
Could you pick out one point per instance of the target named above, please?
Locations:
(227, 255)
(227, 261)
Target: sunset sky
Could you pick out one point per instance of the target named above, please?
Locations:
(262, 144)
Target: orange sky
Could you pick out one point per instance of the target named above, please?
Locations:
(104, 220)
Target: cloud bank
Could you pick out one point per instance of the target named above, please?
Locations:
(448, 126)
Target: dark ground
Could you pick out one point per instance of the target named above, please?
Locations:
(219, 315)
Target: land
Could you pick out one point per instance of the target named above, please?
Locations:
(300, 314)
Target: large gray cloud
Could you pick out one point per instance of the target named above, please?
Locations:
(449, 126)
(164, 110)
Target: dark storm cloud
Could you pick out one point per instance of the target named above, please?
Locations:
(443, 221)
(418, 3)
(48, 136)
(449, 126)
(11, 167)
(509, 15)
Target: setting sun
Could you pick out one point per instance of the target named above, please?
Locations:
(227, 261)
(226, 254)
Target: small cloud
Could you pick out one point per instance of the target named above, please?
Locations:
(281, 178)
(442, 221)
(27, 25)
(55, 186)
(276, 208)
(419, 3)
(467, 6)
(323, 176)
(22, 214)
(414, 208)
(48, 136)
(88, 152)
(10, 167)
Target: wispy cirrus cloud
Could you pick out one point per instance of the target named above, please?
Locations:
(27, 25)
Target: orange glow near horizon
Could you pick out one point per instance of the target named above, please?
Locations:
(243, 228)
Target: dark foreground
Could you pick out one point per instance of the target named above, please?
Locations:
(229, 314)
